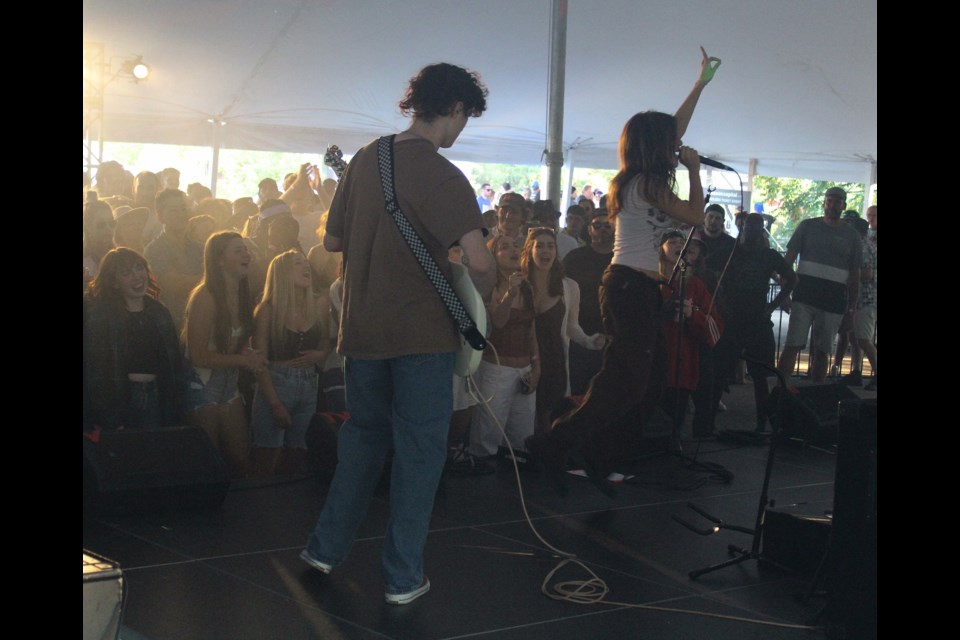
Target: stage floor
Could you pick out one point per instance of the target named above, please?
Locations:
(235, 573)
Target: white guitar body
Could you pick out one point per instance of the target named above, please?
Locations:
(468, 358)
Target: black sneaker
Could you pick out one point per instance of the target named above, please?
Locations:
(464, 463)
(852, 379)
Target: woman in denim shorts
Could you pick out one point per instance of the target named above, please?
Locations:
(290, 330)
(219, 323)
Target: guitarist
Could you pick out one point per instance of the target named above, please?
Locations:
(397, 337)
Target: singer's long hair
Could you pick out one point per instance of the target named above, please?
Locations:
(648, 146)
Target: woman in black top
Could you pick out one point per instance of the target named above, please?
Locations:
(289, 328)
(133, 371)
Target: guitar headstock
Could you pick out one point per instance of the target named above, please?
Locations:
(333, 158)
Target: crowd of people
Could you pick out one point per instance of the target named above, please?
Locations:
(208, 312)
(223, 315)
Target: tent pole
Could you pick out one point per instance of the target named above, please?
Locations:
(558, 56)
(869, 187)
(216, 123)
(565, 197)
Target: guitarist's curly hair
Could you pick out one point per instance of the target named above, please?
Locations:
(437, 89)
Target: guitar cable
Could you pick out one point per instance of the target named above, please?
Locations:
(593, 590)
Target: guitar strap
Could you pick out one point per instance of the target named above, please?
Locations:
(465, 323)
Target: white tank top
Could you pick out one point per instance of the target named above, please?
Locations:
(639, 227)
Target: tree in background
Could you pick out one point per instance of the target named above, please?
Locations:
(791, 200)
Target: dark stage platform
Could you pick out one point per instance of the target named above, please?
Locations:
(235, 573)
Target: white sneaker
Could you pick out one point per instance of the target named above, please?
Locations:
(409, 596)
(322, 567)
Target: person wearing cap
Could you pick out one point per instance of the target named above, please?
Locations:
(717, 249)
(176, 260)
(267, 189)
(718, 243)
(702, 325)
(828, 272)
(746, 315)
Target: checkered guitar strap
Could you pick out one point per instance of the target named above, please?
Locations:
(450, 300)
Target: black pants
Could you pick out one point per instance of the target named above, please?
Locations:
(633, 373)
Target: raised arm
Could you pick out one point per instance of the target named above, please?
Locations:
(708, 67)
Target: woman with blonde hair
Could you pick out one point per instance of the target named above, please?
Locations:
(219, 323)
(290, 329)
(556, 303)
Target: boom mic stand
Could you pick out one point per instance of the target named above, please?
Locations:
(753, 553)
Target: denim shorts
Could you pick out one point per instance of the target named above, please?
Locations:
(297, 390)
(213, 386)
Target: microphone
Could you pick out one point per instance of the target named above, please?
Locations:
(716, 164)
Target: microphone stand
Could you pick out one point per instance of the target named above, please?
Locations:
(676, 447)
(679, 269)
(741, 554)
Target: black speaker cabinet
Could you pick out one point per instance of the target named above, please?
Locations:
(795, 538)
(852, 576)
(145, 470)
(811, 413)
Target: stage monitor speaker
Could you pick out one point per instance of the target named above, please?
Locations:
(102, 597)
(853, 553)
(795, 539)
(811, 413)
(146, 470)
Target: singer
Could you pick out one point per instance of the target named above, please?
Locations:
(643, 205)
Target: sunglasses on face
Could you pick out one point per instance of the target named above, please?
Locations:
(600, 225)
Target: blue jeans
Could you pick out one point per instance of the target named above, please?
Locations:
(405, 403)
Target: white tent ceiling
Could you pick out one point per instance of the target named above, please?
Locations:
(797, 89)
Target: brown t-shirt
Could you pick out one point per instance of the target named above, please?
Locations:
(390, 308)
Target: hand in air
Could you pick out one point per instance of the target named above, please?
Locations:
(513, 282)
(708, 67)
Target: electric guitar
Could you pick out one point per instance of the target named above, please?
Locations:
(467, 358)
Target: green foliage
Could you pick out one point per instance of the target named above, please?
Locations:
(520, 176)
(791, 200)
(238, 172)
